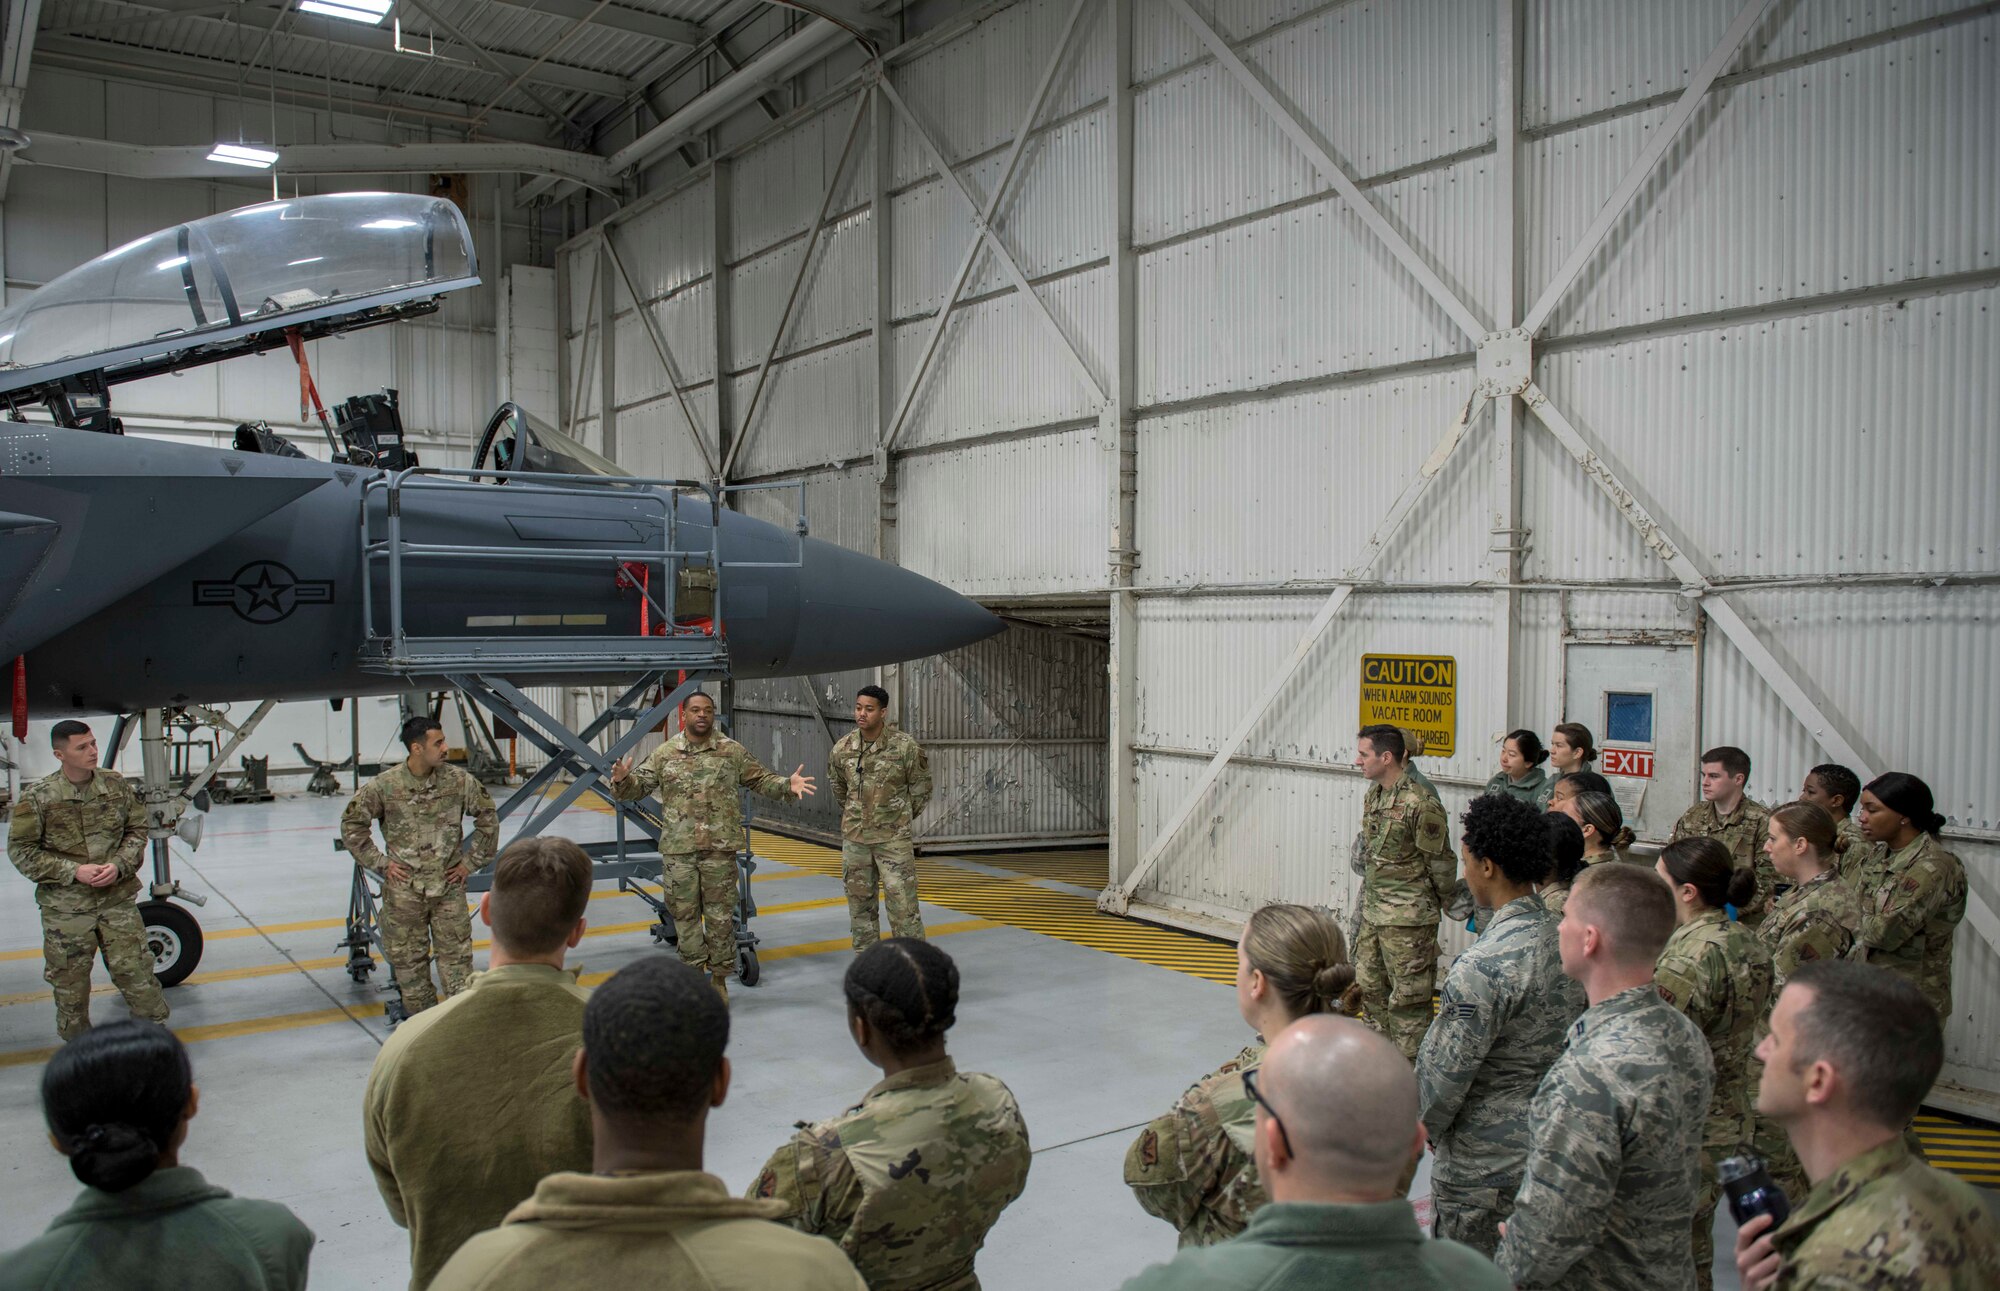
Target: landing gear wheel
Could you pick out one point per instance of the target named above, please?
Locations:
(747, 970)
(174, 938)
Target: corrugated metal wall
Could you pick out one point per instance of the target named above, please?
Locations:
(1786, 346)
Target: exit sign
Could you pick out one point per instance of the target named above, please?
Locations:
(1632, 762)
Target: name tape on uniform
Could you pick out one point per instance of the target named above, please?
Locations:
(1419, 692)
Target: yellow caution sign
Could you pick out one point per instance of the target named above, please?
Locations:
(1419, 692)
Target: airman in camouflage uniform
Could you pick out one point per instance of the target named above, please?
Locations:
(1193, 1167)
(1886, 1219)
(59, 827)
(910, 1180)
(1814, 921)
(698, 776)
(1504, 1015)
(1913, 901)
(1719, 974)
(881, 780)
(1615, 1130)
(1410, 877)
(1742, 832)
(424, 912)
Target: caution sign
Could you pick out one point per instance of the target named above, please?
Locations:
(1419, 692)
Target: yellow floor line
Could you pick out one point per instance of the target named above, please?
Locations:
(318, 1017)
(337, 961)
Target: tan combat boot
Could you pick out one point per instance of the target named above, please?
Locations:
(721, 983)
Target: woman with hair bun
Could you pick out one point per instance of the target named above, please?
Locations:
(1718, 973)
(1571, 748)
(1521, 775)
(855, 1178)
(118, 1100)
(1192, 1167)
(1913, 895)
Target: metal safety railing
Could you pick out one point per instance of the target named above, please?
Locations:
(390, 646)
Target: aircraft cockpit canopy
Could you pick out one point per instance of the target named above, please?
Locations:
(236, 283)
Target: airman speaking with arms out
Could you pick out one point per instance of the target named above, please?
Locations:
(697, 776)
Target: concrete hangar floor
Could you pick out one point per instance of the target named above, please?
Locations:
(1097, 1024)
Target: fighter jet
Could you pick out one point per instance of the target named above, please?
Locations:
(140, 574)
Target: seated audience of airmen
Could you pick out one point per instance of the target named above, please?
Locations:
(1776, 985)
(1193, 1167)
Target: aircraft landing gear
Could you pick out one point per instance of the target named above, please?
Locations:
(174, 938)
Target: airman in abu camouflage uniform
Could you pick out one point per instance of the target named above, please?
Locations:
(1740, 827)
(1615, 1128)
(81, 842)
(1813, 922)
(698, 776)
(422, 803)
(1504, 1014)
(1410, 877)
(909, 1180)
(881, 780)
(1193, 1167)
(1719, 974)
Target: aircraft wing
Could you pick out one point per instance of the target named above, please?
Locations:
(87, 518)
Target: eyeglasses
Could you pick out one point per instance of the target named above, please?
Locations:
(1257, 1097)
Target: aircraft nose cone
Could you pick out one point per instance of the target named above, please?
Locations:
(856, 612)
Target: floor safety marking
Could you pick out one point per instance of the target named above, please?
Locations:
(1086, 867)
(1968, 1149)
(1020, 903)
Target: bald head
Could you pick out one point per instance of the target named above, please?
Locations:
(1348, 1101)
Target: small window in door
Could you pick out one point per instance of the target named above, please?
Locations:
(1628, 717)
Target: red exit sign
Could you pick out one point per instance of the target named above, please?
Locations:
(1632, 762)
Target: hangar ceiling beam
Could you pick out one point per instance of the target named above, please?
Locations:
(637, 22)
(190, 161)
(17, 48)
(984, 232)
(1118, 897)
(1308, 142)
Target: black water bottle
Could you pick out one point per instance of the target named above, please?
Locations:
(1751, 1192)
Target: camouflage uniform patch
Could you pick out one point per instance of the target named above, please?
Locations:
(1885, 1219)
(423, 826)
(1913, 901)
(1505, 1012)
(1607, 1196)
(1410, 877)
(1743, 834)
(879, 788)
(1719, 974)
(910, 1180)
(57, 826)
(1193, 1167)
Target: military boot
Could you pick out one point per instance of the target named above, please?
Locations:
(721, 983)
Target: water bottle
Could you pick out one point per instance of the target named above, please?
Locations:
(1751, 1192)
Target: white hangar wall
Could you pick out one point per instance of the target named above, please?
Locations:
(1748, 449)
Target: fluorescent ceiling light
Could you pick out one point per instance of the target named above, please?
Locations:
(237, 154)
(368, 11)
(174, 263)
(308, 260)
(390, 224)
